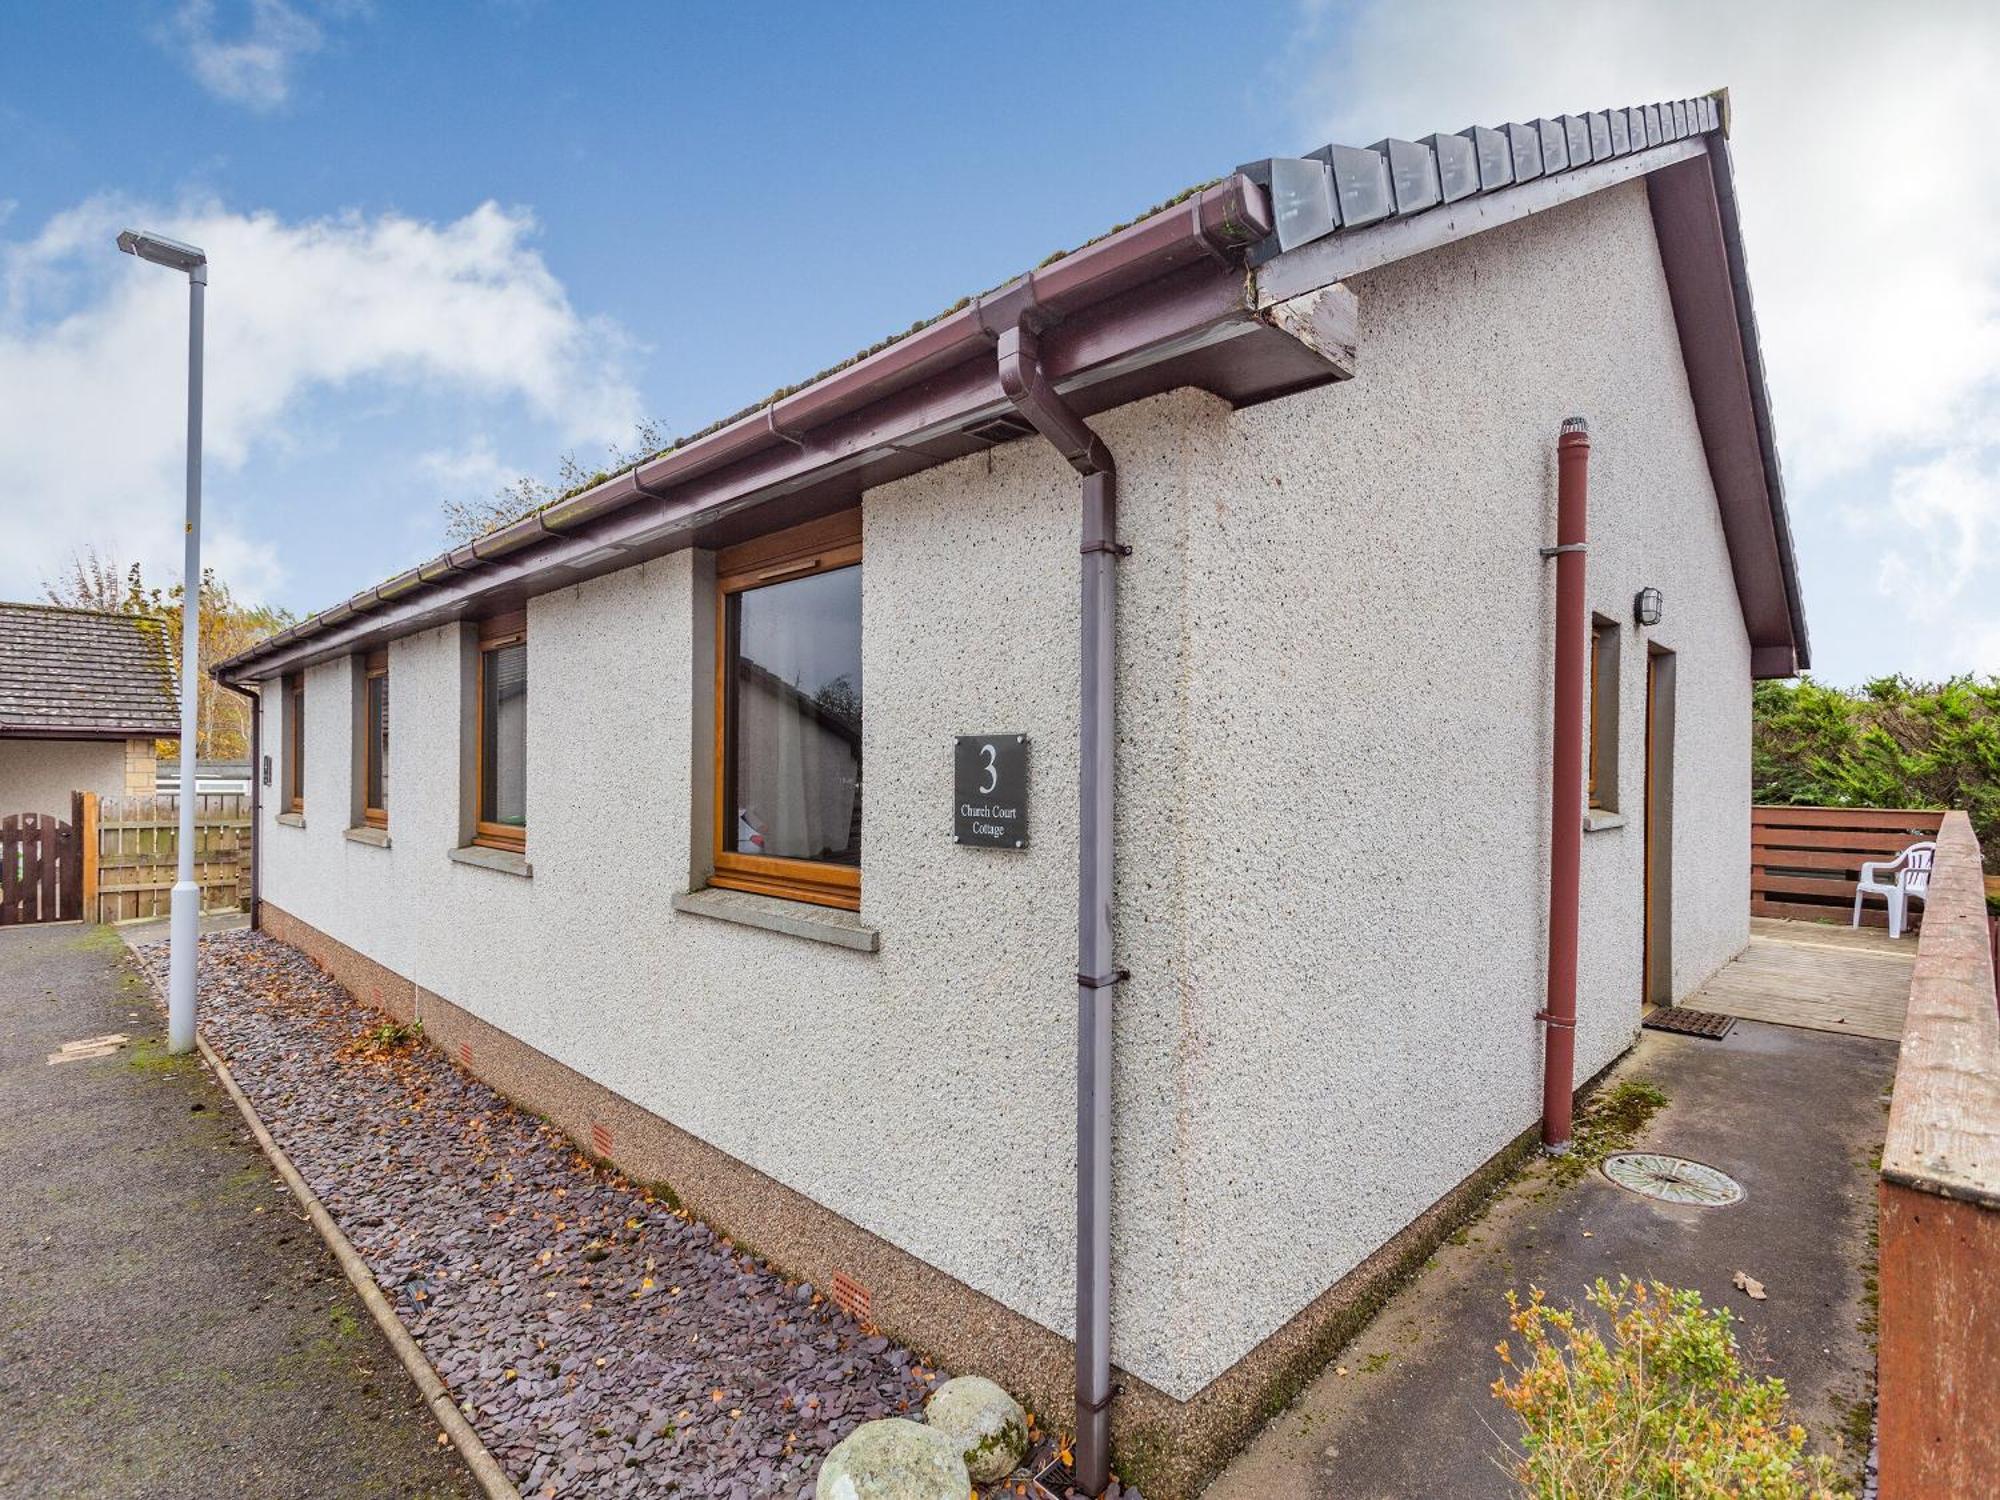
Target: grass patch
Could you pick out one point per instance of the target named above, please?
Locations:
(1609, 1123)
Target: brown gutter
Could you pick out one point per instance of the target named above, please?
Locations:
(1558, 1013)
(1097, 975)
(925, 386)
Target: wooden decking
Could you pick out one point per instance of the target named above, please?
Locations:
(1816, 975)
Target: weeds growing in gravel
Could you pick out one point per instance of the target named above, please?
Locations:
(393, 1036)
(1662, 1409)
(1609, 1122)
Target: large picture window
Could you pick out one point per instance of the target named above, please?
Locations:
(503, 733)
(375, 751)
(788, 721)
(295, 742)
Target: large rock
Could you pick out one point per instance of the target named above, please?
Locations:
(893, 1459)
(986, 1425)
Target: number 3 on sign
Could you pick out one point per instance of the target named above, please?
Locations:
(989, 764)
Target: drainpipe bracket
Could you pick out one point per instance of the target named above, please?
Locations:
(1084, 1403)
(1567, 1023)
(1118, 549)
(1565, 547)
(1102, 981)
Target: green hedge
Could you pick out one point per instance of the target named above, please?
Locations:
(1896, 743)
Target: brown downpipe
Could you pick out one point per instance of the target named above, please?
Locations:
(1558, 1012)
(1028, 388)
(256, 702)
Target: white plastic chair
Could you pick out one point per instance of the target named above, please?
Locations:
(1897, 881)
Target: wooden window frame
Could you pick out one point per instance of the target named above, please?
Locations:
(816, 547)
(501, 630)
(295, 742)
(375, 669)
(1601, 761)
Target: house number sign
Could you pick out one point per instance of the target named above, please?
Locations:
(990, 791)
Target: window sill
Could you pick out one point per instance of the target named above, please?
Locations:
(292, 819)
(1597, 820)
(506, 861)
(368, 833)
(801, 919)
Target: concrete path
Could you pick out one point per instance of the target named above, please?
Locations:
(169, 1325)
(1796, 1116)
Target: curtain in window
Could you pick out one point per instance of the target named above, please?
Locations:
(795, 741)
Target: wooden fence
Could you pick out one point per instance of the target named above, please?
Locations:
(136, 843)
(1804, 861)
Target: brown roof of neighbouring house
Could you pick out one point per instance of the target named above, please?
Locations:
(83, 674)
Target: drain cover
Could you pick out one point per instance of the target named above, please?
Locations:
(1678, 1018)
(1672, 1179)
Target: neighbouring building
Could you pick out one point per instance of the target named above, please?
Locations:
(620, 856)
(84, 694)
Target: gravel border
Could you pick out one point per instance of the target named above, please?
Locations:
(598, 1339)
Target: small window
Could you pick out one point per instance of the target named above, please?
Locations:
(1604, 636)
(788, 720)
(503, 733)
(375, 747)
(295, 742)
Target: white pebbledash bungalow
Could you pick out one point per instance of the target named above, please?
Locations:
(1188, 959)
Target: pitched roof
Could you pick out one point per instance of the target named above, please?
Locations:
(1162, 302)
(83, 674)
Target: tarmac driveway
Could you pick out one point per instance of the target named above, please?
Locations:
(170, 1325)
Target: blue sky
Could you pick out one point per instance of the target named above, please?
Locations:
(453, 242)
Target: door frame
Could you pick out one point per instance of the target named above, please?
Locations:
(1657, 911)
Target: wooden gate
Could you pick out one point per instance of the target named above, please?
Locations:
(41, 872)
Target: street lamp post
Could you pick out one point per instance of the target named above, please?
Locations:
(185, 929)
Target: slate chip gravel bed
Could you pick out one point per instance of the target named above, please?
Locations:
(600, 1342)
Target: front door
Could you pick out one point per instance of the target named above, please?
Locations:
(1658, 966)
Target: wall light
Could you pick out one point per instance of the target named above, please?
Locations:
(1647, 605)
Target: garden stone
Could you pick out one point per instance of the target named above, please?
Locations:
(985, 1424)
(893, 1459)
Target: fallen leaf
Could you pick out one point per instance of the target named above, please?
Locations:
(1750, 1285)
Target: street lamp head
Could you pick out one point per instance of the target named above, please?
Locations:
(162, 251)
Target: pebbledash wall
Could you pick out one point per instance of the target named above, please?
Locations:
(1334, 679)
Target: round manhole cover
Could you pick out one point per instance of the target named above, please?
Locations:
(1672, 1179)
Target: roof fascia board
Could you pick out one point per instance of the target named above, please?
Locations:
(1688, 228)
(1353, 251)
(1196, 236)
(1723, 172)
(1199, 307)
(93, 732)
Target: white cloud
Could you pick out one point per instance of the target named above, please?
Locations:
(255, 68)
(1871, 207)
(93, 360)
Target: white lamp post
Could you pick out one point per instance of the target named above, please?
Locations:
(185, 929)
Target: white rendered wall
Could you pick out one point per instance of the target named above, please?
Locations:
(38, 775)
(1366, 787)
(1333, 750)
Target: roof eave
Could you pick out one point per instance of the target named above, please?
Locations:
(1165, 301)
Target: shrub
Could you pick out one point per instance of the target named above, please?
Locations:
(1896, 743)
(1662, 1411)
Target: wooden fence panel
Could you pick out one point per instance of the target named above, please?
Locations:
(1805, 861)
(138, 852)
